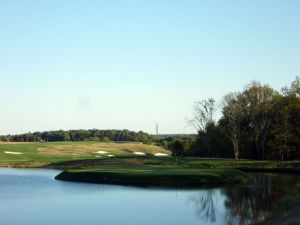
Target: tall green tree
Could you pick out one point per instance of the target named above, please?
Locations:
(285, 131)
(234, 114)
(259, 107)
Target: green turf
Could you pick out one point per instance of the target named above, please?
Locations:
(42, 154)
(170, 176)
(82, 154)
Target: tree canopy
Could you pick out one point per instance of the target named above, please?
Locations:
(256, 123)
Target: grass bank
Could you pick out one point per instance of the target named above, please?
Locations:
(168, 176)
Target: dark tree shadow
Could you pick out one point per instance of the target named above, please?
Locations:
(244, 204)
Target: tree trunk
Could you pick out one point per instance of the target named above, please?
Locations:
(236, 149)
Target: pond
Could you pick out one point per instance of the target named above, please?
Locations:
(34, 197)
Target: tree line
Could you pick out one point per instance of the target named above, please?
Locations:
(80, 135)
(256, 123)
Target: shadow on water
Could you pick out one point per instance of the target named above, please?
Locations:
(245, 204)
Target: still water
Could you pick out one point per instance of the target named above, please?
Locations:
(33, 197)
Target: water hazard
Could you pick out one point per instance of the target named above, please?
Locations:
(33, 197)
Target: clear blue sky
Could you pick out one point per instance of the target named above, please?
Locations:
(132, 64)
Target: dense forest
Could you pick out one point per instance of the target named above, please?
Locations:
(80, 135)
(257, 123)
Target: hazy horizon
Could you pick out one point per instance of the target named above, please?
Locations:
(131, 65)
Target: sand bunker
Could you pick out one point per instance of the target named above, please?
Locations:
(110, 155)
(101, 152)
(160, 154)
(14, 153)
(138, 153)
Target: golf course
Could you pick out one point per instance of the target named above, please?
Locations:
(44, 154)
(144, 165)
(133, 163)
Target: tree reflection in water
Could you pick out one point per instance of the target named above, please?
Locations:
(205, 205)
(244, 204)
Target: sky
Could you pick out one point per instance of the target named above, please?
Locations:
(78, 64)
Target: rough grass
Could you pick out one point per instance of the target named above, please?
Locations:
(169, 176)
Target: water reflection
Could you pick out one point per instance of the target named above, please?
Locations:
(243, 204)
(24, 191)
(206, 205)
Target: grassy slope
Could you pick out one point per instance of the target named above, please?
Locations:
(82, 154)
(155, 176)
(42, 154)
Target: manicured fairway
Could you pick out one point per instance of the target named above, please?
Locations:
(41, 154)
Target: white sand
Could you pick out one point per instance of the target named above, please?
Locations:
(14, 153)
(110, 155)
(138, 153)
(101, 152)
(160, 154)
